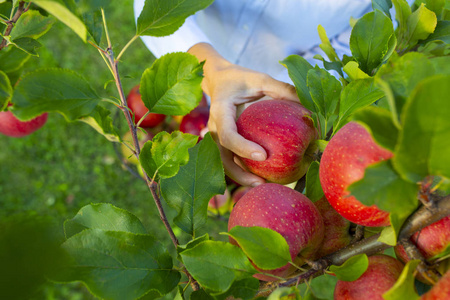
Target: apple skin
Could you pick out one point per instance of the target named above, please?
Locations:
(286, 131)
(239, 193)
(285, 211)
(337, 229)
(380, 276)
(440, 291)
(13, 127)
(220, 203)
(350, 151)
(195, 121)
(431, 241)
(138, 108)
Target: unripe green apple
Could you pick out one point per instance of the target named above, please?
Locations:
(350, 151)
(285, 211)
(286, 131)
(380, 276)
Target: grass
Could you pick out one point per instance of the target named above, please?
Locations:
(64, 166)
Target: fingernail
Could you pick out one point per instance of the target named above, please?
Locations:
(255, 184)
(258, 156)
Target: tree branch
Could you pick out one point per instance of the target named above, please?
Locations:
(12, 22)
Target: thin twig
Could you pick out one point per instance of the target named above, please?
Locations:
(12, 22)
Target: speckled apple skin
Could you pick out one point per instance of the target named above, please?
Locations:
(13, 127)
(285, 211)
(337, 229)
(380, 276)
(350, 151)
(430, 241)
(285, 130)
(137, 106)
(440, 291)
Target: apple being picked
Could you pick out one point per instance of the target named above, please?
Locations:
(431, 241)
(13, 127)
(196, 121)
(139, 110)
(350, 151)
(286, 131)
(286, 211)
(381, 274)
(337, 229)
(220, 203)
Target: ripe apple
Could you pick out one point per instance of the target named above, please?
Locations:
(239, 193)
(287, 133)
(350, 151)
(431, 241)
(13, 127)
(196, 121)
(285, 211)
(220, 203)
(138, 108)
(380, 276)
(337, 229)
(440, 291)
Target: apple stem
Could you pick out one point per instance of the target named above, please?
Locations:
(423, 268)
(359, 234)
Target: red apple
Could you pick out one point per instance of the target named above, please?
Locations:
(431, 241)
(285, 211)
(239, 193)
(13, 127)
(195, 121)
(380, 276)
(287, 133)
(351, 150)
(138, 108)
(337, 229)
(220, 203)
(440, 291)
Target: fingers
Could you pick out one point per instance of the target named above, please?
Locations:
(278, 89)
(235, 172)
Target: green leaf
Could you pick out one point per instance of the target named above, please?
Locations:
(435, 49)
(31, 24)
(444, 254)
(334, 65)
(119, 265)
(195, 184)
(354, 72)
(321, 287)
(441, 32)
(424, 140)
(314, 190)
(382, 5)
(12, 59)
(103, 216)
(57, 90)
(370, 40)
(404, 287)
(58, 9)
(382, 186)
(244, 289)
(402, 12)
(284, 293)
(357, 94)
(164, 17)
(298, 68)
(100, 120)
(379, 123)
(171, 86)
(352, 268)
(388, 236)
(266, 248)
(325, 90)
(27, 45)
(420, 25)
(94, 25)
(191, 244)
(163, 156)
(216, 265)
(326, 45)
(435, 6)
(6, 90)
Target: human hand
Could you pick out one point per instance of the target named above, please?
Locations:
(230, 88)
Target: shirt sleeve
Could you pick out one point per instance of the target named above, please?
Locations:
(184, 38)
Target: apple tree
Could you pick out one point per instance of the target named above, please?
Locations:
(391, 95)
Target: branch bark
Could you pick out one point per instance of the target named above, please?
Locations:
(12, 22)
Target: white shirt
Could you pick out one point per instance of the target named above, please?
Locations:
(258, 34)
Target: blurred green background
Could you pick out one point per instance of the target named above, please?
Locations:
(64, 166)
